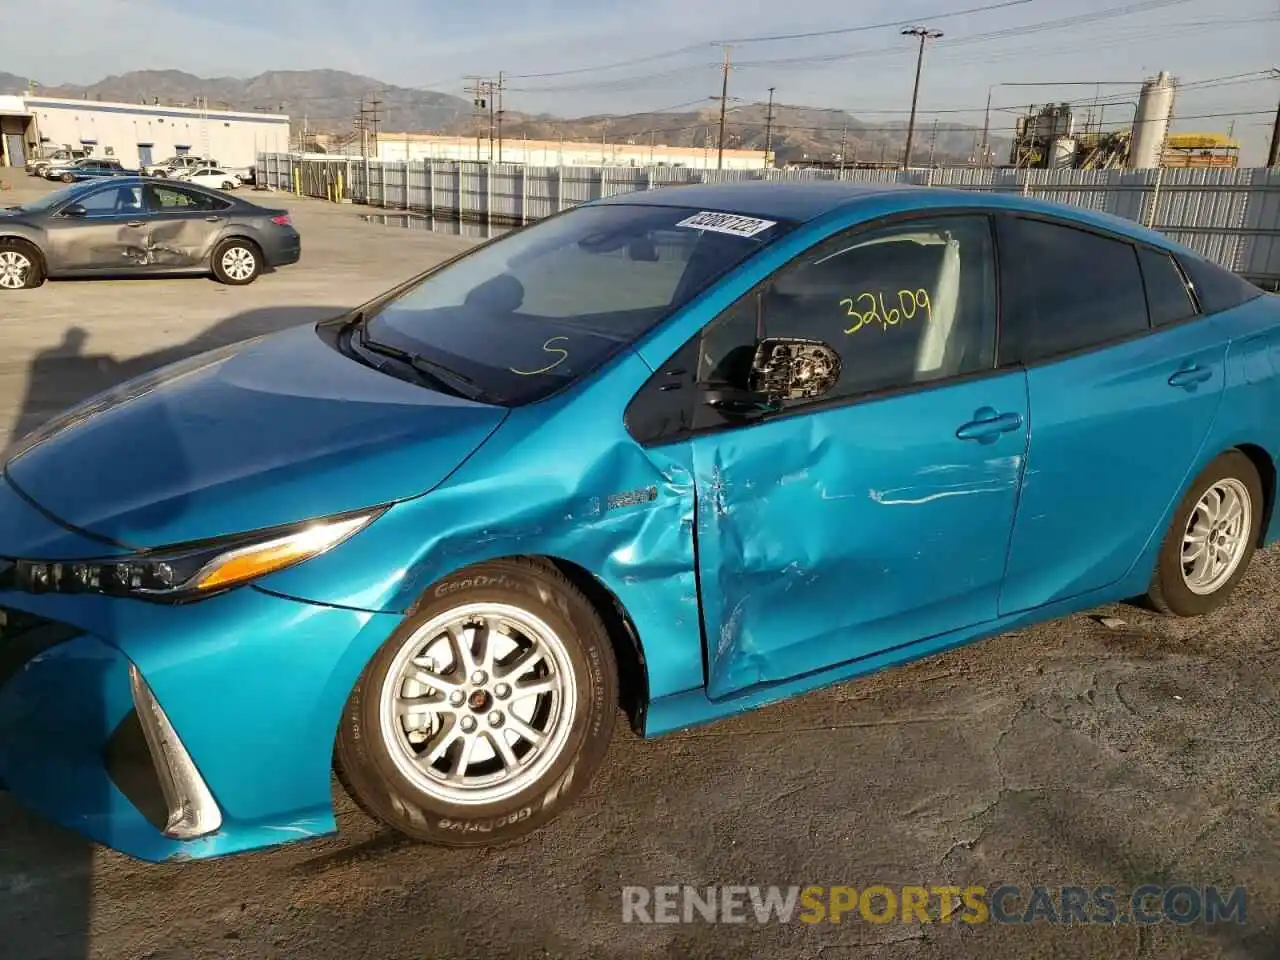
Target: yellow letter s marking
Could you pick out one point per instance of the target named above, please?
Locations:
(547, 348)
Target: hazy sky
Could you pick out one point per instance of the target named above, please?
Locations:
(869, 72)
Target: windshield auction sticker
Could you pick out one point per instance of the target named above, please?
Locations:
(730, 223)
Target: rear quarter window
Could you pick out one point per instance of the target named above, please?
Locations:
(1168, 299)
(1215, 287)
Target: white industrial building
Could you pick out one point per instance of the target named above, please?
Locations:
(560, 153)
(137, 134)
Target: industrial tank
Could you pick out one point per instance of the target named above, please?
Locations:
(1151, 122)
(1063, 154)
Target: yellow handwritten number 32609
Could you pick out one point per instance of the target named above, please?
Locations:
(910, 302)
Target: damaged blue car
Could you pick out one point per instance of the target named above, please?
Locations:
(671, 454)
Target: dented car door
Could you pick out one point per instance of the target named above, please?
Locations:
(106, 231)
(182, 225)
(836, 527)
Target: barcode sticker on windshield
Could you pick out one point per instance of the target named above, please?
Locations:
(730, 223)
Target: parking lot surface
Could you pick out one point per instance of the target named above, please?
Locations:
(1087, 752)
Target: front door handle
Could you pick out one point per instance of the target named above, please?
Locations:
(214, 219)
(136, 223)
(1190, 377)
(987, 425)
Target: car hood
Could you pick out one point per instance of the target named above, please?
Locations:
(265, 432)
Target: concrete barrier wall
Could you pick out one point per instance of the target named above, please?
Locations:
(1230, 216)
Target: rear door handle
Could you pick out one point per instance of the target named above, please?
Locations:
(1190, 376)
(214, 219)
(136, 223)
(987, 425)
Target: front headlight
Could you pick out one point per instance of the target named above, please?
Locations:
(194, 570)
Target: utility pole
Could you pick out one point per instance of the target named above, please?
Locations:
(933, 141)
(923, 33)
(986, 131)
(844, 140)
(724, 102)
(500, 112)
(1273, 155)
(478, 103)
(768, 129)
(374, 104)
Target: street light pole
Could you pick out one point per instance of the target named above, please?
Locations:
(924, 33)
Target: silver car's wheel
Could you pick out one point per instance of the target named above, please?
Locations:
(1214, 531)
(486, 712)
(1217, 536)
(20, 266)
(478, 703)
(237, 262)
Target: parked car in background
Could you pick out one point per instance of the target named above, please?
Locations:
(140, 226)
(211, 177)
(88, 168)
(687, 451)
(44, 159)
(176, 165)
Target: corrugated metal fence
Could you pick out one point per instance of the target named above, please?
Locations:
(1230, 216)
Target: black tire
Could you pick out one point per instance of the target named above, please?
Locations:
(226, 247)
(67, 178)
(228, 185)
(1169, 592)
(35, 272)
(363, 758)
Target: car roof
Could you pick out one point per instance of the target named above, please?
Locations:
(794, 201)
(801, 202)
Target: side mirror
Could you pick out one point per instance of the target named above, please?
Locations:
(74, 210)
(782, 369)
(789, 368)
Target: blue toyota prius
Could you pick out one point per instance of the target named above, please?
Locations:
(677, 453)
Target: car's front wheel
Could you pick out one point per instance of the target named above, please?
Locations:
(1214, 533)
(20, 265)
(228, 185)
(486, 713)
(237, 262)
(67, 178)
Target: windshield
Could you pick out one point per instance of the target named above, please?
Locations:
(539, 308)
(51, 200)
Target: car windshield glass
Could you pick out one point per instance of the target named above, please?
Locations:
(535, 310)
(51, 200)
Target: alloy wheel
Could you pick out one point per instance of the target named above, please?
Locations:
(239, 263)
(15, 267)
(478, 703)
(1217, 536)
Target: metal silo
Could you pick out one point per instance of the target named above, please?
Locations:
(1151, 122)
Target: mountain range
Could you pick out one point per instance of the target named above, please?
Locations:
(328, 101)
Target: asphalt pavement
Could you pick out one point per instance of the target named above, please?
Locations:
(1110, 748)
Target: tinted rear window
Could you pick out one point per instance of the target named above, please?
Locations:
(1217, 288)
(1167, 296)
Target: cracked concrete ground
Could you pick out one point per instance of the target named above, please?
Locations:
(1074, 753)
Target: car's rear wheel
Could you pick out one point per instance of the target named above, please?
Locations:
(237, 262)
(20, 265)
(1213, 536)
(486, 713)
(228, 185)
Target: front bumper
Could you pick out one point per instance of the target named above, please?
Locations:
(178, 732)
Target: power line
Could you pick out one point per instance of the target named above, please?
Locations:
(888, 25)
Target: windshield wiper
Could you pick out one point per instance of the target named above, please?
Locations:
(436, 373)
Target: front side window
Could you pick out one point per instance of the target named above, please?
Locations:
(1068, 290)
(527, 314)
(112, 202)
(902, 305)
